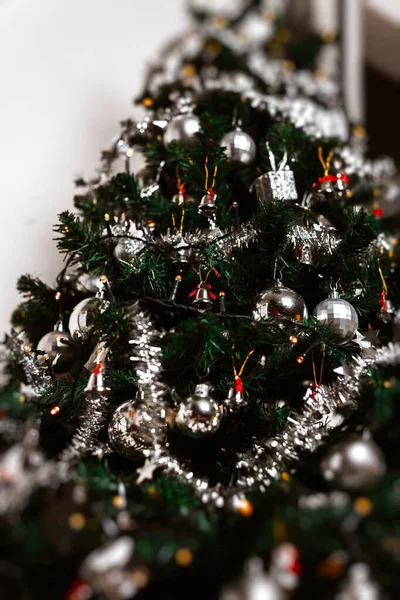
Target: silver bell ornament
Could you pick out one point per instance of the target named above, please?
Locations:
(129, 431)
(387, 311)
(199, 415)
(202, 300)
(81, 319)
(353, 464)
(207, 206)
(182, 128)
(61, 349)
(339, 316)
(240, 147)
(280, 302)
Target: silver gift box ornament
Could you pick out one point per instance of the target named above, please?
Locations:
(278, 184)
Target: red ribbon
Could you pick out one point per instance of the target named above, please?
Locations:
(333, 178)
(98, 369)
(211, 193)
(239, 388)
(208, 287)
(382, 300)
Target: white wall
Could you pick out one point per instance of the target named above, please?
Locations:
(68, 72)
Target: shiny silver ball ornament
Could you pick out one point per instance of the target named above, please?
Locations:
(280, 302)
(81, 319)
(199, 415)
(353, 464)
(240, 147)
(61, 349)
(128, 248)
(339, 316)
(129, 431)
(182, 128)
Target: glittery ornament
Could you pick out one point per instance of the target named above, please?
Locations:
(359, 585)
(199, 415)
(127, 248)
(277, 184)
(182, 128)
(130, 429)
(240, 147)
(62, 351)
(339, 316)
(280, 302)
(81, 320)
(353, 464)
(255, 584)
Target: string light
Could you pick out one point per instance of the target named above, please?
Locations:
(293, 339)
(57, 295)
(363, 506)
(76, 521)
(54, 410)
(184, 557)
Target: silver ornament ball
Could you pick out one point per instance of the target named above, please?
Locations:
(240, 147)
(61, 349)
(353, 464)
(199, 415)
(182, 128)
(128, 248)
(339, 316)
(280, 302)
(129, 431)
(81, 319)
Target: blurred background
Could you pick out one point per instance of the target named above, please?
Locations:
(68, 75)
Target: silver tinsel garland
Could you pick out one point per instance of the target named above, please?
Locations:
(268, 459)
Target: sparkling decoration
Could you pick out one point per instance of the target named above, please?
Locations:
(182, 128)
(353, 464)
(359, 585)
(339, 316)
(128, 248)
(61, 349)
(129, 430)
(280, 302)
(81, 319)
(147, 471)
(240, 147)
(278, 184)
(92, 419)
(108, 569)
(285, 566)
(199, 415)
(255, 584)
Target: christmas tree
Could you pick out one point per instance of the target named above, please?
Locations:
(205, 402)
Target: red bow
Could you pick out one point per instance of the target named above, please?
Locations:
(239, 388)
(208, 287)
(333, 178)
(382, 300)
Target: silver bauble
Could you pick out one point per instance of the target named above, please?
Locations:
(199, 415)
(61, 349)
(128, 248)
(353, 464)
(359, 585)
(182, 128)
(81, 319)
(339, 316)
(240, 147)
(88, 283)
(280, 302)
(130, 430)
